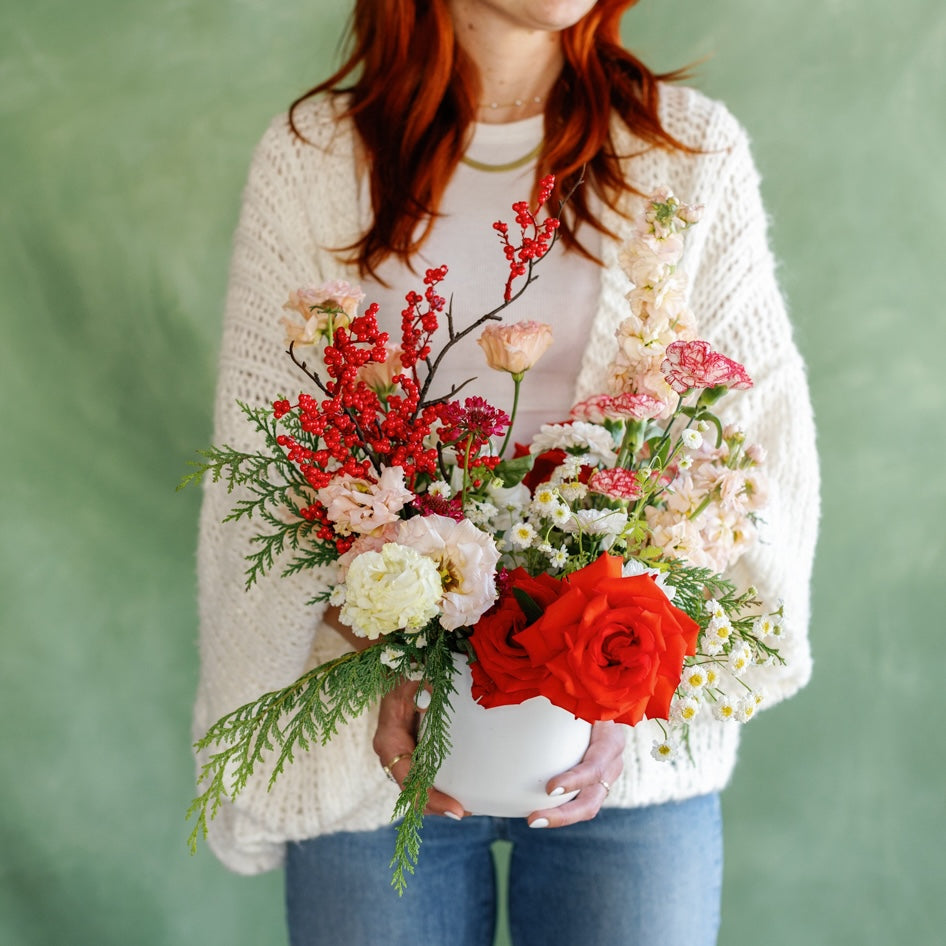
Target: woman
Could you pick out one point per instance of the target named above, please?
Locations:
(455, 108)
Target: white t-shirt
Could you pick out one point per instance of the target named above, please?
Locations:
(565, 295)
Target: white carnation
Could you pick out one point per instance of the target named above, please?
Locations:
(394, 588)
(595, 440)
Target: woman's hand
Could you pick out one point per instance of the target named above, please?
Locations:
(592, 778)
(396, 738)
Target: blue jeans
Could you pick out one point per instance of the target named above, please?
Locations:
(631, 877)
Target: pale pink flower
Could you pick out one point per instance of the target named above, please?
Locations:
(756, 453)
(337, 294)
(380, 377)
(466, 558)
(366, 542)
(332, 304)
(358, 505)
(517, 347)
(694, 364)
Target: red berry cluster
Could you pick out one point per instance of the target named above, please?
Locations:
(417, 326)
(351, 431)
(535, 237)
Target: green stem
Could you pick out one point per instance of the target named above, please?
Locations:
(517, 381)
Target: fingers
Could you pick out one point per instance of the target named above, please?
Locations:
(396, 738)
(592, 778)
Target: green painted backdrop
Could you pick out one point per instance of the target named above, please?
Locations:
(125, 130)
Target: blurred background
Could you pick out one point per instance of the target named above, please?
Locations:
(125, 133)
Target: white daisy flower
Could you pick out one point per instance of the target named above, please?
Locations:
(561, 515)
(573, 492)
(740, 658)
(693, 679)
(692, 439)
(726, 708)
(762, 626)
(684, 709)
(715, 610)
(685, 463)
(521, 535)
(720, 630)
(711, 646)
(745, 709)
(545, 500)
(663, 750)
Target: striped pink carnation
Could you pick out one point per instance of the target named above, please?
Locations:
(617, 483)
(695, 365)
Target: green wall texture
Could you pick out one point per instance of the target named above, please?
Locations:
(125, 132)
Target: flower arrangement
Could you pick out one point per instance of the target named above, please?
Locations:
(585, 568)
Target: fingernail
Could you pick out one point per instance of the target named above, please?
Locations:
(558, 790)
(453, 816)
(539, 823)
(423, 699)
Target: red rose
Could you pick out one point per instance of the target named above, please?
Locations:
(611, 647)
(502, 673)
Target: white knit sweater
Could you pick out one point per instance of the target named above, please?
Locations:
(300, 202)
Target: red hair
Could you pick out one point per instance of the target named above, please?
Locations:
(415, 97)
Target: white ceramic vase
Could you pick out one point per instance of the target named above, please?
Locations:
(502, 758)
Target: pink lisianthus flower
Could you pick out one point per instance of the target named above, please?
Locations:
(466, 558)
(694, 364)
(517, 347)
(358, 505)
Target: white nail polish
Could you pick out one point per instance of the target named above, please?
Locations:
(539, 823)
(452, 815)
(558, 790)
(423, 699)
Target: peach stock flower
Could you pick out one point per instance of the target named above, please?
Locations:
(517, 347)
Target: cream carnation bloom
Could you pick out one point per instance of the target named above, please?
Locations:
(394, 588)
(357, 505)
(466, 558)
(594, 439)
(517, 347)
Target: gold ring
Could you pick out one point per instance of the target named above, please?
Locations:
(607, 788)
(387, 768)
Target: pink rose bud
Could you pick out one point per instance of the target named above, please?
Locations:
(515, 348)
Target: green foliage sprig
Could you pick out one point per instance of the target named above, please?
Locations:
(310, 711)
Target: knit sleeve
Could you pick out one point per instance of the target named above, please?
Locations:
(741, 312)
(253, 641)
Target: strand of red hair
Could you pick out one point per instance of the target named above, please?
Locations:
(414, 96)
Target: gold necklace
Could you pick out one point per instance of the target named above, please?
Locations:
(508, 166)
